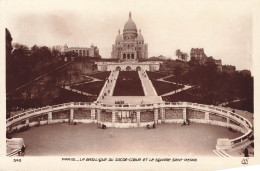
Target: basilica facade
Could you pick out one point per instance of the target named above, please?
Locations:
(128, 50)
(130, 45)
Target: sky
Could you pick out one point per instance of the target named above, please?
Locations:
(223, 28)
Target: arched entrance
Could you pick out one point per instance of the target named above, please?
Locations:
(118, 68)
(138, 68)
(128, 68)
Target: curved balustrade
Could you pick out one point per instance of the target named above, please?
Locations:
(243, 124)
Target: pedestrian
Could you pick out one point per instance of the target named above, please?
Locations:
(246, 152)
(23, 150)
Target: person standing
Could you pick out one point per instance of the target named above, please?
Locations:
(246, 152)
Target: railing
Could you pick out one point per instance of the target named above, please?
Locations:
(212, 109)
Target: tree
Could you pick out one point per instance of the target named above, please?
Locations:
(8, 42)
(177, 71)
(178, 53)
(56, 51)
(184, 57)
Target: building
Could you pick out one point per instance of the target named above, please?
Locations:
(229, 69)
(129, 50)
(245, 72)
(218, 62)
(130, 45)
(198, 54)
(93, 51)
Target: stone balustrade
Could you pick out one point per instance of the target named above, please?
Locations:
(138, 116)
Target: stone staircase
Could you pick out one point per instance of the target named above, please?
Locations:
(221, 153)
(109, 85)
(147, 84)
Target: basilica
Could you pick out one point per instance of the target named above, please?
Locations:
(130, 45)
(128, 50)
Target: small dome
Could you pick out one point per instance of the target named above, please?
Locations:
(130, 25)
(119, 37)
(140, 36)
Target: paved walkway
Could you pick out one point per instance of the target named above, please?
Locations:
(77, 91)
(134, 100)
(162, 79)
(86, 139)
(226, 103)
(186, 87)
(93, 79)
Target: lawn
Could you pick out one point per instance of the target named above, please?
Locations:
(91, 88)
(164, 87)
(128, 84)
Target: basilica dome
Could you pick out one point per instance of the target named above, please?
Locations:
(119, 37)
(130, 25)
(140, 36)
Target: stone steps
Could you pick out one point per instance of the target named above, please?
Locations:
(147, 84)
(221, 153)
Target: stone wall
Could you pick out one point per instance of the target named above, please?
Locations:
(42, 117)
(82, 114)
(19, 123)
(132, 118)
(213, 116)
(173, 113)
(106, 116)
(233, 122)
(64, 114)
(147, 116)
(193, 114)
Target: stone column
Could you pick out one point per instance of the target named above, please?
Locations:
(206, 115)
(113, 117)
(184, 113)
(92, 114)
(156, 116)
(98, 115)
(228, 120)
(49, 117)
(27, 122)
(162, 113)
(71, 115)
(138, 118)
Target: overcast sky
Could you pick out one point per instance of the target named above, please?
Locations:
(222, 28)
